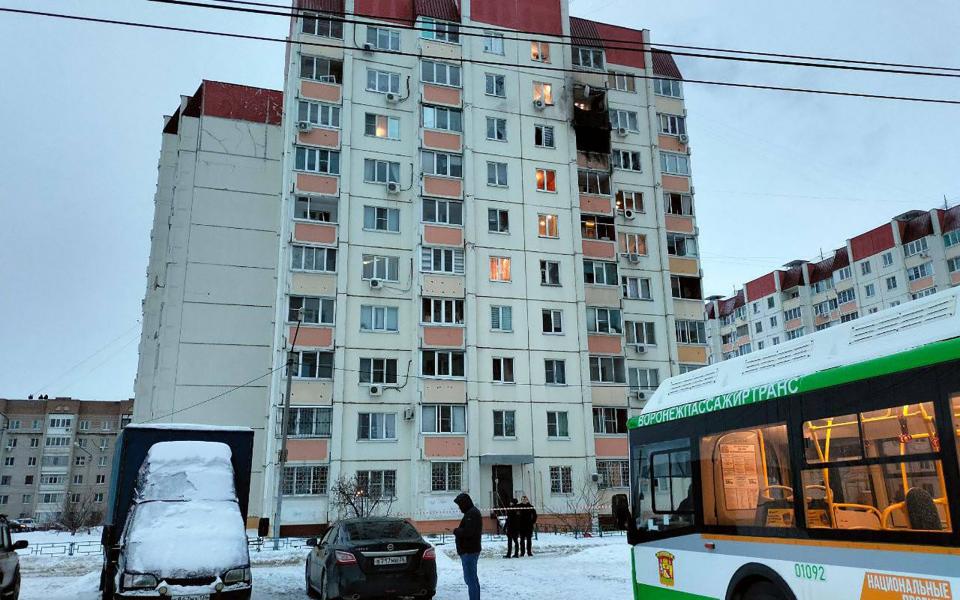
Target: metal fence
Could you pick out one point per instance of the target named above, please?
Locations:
(93, 547)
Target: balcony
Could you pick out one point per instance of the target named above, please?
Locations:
(591, 119)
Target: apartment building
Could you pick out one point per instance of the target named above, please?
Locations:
(487, 253)
(57, 453)
(913, 255)
(207, 345)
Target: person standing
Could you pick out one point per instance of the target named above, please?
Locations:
(528, 520)
(513, 534)
(467, 537)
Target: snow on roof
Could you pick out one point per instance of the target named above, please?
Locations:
(913, 324)
(186, 470)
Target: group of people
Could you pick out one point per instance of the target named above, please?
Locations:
(520, 517)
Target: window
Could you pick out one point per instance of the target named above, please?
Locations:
(493, 43)
(51, 498)
(316, 160)
(315, 209)
(775, 341)
(870, 290)
(79, 460)
(681, 245)
(642, 333)
(325, 115)
(555, 372)
(588, 58)
(822, 309)
(442, 311)
(920, 271)
(543, 136)
(101, 479)
(441, 363)
(793, 313)
(540, 51)
(822, 286)
(446, 119)
(501, 318)
(446, 476)
(382, 126)
(104, 444)
(384, 268)
(379, 318)
(552, 321)
(951, 238)
(597, 228)
(600, 272)
(12, 443)
(953, 265)
(504, 423)
(865, 267)
(376, 426)
(380, 171)
(441, 260)
(441, 163)
(756, 307)
(604, 320)
(609, 420)
(496, 129)
(613, 474)
(923, 293)
(842, 274)
(887, 259)
(321, 69)
(644, 379)
(623, 82)
(673, 124)
(378, 371)
(626, 159)
(607, 369)
(636, 288)
(499, 268)
(667, 87)
(383, 82)
(312, 310)
(102, 462)
(845, 296)
(549, 272)
(915, 247)
(594, 182)
(691, 332)
(498, 221)
(547, 226)
(441, 31)
(503, 370)
(561, 480)
(444, 418)
(56, 442)
(674, 164)
(309, 258)
(322, 26)
(497, 174)
(495, 85)
(440, 73)
(313, 364)
(629, 201)
(309, 421)
(770, 304)
(382, 38)
(891, 283)
(14, 424)
(543, 92)
(557, 426)
(685, 287)
(8, 461)
(304, 480)
(624, 119)
(26, 499)
(848, 317)
(444, 212)
(546, 180)
(795, 333)
(379, 218)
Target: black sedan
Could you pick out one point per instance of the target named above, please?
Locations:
(371, 558)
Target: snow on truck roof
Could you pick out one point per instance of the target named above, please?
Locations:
(186, 470)
(924, 331)
(186, 427)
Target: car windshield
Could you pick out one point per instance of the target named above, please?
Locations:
(380, 530)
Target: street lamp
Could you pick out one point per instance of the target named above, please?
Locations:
(282, 455)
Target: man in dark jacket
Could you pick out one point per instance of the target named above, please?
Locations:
(527, 520)
(513, 534)
(467, 536)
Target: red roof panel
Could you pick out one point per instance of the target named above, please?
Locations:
(761, 286)
(446, 10)
(949, 219)
(535, 16)
(916, 228)
(665, 66)
(327, 6)
(389, 10)
(872, 242)
(241, 102)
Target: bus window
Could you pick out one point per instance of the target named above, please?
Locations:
(663, 496)
(746, 478)
(901, 489)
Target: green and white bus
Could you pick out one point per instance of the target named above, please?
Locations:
(822, 468)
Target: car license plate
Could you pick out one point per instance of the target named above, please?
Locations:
(192, 597)
(390, 560)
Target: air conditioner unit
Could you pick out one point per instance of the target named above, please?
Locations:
(640, 348)
(638, 394)
(393, 187)
(376, 390)
(538, 104)
(683, 138)
(368, 47)
(622, 131)
(304, 125)
(393, 98)
(409, 414)
(375, 284)
(629, 214)
(634, 258)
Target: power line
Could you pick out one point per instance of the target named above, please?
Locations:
(88, 357)
(302, 11)
(632, 48)
(157, 27)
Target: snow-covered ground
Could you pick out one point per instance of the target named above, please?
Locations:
(562, 568)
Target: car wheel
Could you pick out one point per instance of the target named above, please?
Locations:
(311, 593)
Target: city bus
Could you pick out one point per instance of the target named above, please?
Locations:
(822, 468)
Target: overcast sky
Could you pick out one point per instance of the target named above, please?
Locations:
(778, 176)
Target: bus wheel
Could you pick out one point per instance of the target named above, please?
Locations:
(762, 590)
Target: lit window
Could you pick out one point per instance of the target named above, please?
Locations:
(382, 126)
(499, 268)
(543, 92)
(540, 51)
(547, 226)
(546, 180)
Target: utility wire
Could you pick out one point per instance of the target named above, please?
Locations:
(632, 48)
(305, 11)
(157, 27)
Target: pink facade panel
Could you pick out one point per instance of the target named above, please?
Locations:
(442, 186)
(444, 447)
(317, 234)
(318, 136)
(955, 278)
(849, 308)
(598, 249)
(792, 324)
(307, 449)
(921, 284)
(314, 90)
(446, 236)
(671, 143)
(314, 337)
(679, 224)
(743, 340)
(674, 183)
(727, 348)
(605, 344)
(438, 94)
(318, 184)
(439, 140)
(611, 446)
(597, 205)
(443, 337)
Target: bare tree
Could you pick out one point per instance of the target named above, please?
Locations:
(80, 510)
(353, 497)
(580, 510)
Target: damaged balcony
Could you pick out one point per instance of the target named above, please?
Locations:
(591, 119)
